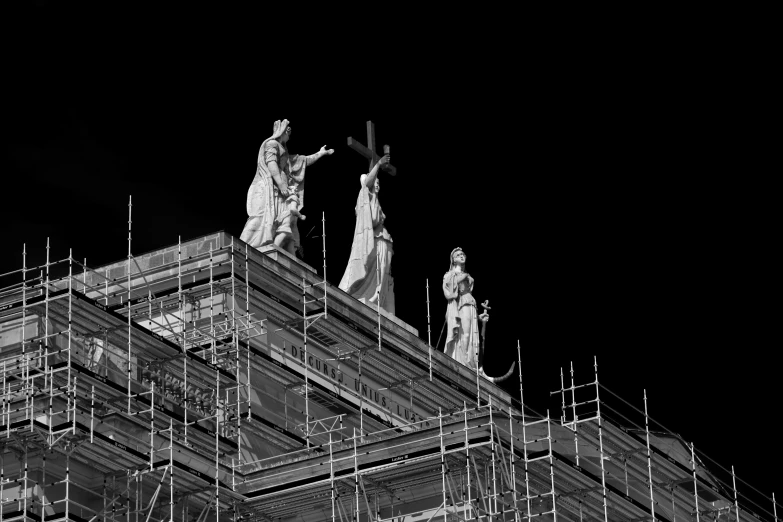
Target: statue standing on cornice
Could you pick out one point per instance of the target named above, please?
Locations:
(462, 341)
(277, 192)
(368, 274)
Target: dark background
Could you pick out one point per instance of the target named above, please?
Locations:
(606, 196)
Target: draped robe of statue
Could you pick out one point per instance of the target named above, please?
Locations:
(268, 212)
(371, 244)
(462, 343)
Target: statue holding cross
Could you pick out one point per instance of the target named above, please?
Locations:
(368, 274)
(370, 153)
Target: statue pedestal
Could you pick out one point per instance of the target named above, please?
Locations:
(284, 258)
(391, 317)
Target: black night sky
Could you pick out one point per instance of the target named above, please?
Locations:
(603, 202)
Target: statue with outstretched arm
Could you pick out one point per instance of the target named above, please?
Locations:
(276, 195)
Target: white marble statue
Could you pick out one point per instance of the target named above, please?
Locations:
(368, 274)
(462, 341)
(276, 195)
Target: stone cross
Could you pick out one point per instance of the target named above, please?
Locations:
(370, 153)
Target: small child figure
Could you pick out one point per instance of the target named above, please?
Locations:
(293, 201)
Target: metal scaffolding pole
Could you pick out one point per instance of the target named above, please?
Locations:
(467, 457)
(695, 484)
(306, 371)
(331, 477)
(493, 456)
(551, 465)
(429, 338)
(442, 464)
(649, 458)
(601, 441)
(734, 487)
(573, 413)
(356, 474)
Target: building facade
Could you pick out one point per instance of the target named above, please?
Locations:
(212, 381)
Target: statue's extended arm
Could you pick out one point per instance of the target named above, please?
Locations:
(370, 181)
(312, 158)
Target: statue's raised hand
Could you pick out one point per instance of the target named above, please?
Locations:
(384, 160)
(324, 151)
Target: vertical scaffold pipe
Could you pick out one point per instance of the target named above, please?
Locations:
(478, 378)
(2, 459)
(511, 460)
(600, 440)
(181, 315)
(306, 373)
(235, 347)
(331, 477)
(67, 485)
(562, 398)
(551, 465)
(6, 423)
(356, 473)
(379, 301)
(181, 304)
(734, 486)
(429, 337)
(71, 388)
(152, 420)
(467, 458)
(493, 454)
(45, 348)
(524, 450)
(248, 319)
(573, 412)
(361, 396)
(521, 397)
(212, 315)
(128, 497)
(24, 302)
(26, 468)
(442, 463)
(649, 458)
(217, 445)
(43, 485)
(695, 485)
(171, 470)
(130, 310)
(103, 519)
(323, 242)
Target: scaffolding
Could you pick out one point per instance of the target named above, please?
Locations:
(209, 381)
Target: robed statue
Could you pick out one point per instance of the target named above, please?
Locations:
(462, 341)
(368, 274)
(277, 192)
(462, 319)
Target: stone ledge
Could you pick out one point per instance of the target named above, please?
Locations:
(390, 317)
(284, 258)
